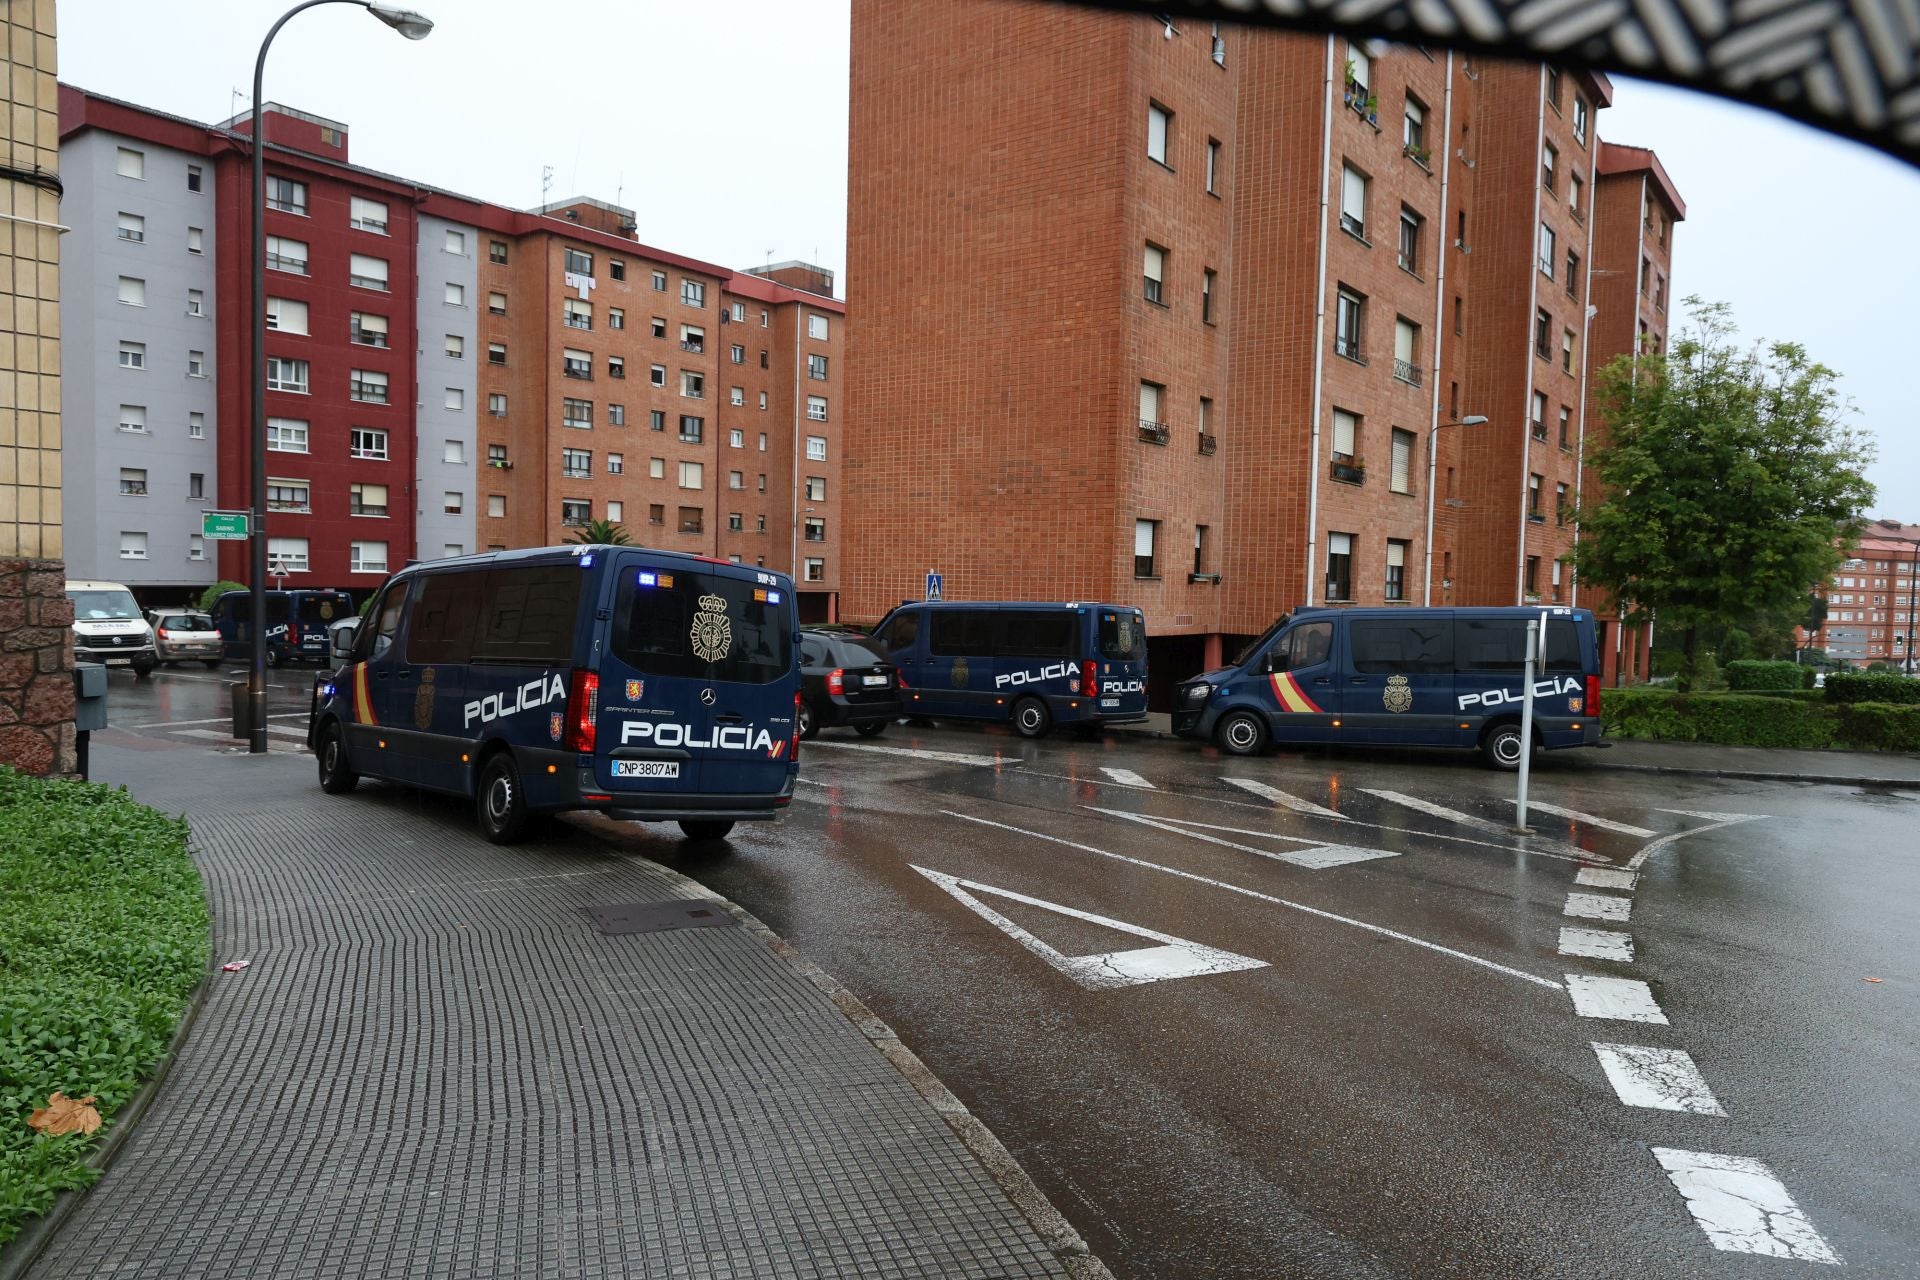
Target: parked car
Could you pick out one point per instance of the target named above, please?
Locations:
(184, 635)
(846, 679)
(108, 628)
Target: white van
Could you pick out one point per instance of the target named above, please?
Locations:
(108, 627)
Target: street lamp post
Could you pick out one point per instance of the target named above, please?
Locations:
(414, 27)
(1433, 465)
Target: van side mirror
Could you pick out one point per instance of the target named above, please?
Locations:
(340, 639)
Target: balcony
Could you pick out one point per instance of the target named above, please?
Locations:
(690, 526)
(576, 473)
(1208, 444)
(1407, 371)
(573, 522)
(1536, 517)
(1154, 432)
(360, 508)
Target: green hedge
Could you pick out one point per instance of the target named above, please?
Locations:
(1796, 695)
(103, 936)
(1759, 720)
(1856, 686)
(1749, 676)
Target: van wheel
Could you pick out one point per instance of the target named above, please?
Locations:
(141, 670)
(336, 779)
(501, 803)
(1031, 719)
(870, 728)
(1501, 746)
(211, 664)
(809, 723)
(706, 828)
(1241, 733)
(273, 657)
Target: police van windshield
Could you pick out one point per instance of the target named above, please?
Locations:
(1254, 645)
(702, 626)
(1123, 638)
(103, 606)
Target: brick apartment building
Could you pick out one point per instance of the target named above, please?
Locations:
(1873, 600)
(1167, 313)
(444, 375)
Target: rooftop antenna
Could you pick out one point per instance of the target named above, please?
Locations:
(233, 100)
(546, 182)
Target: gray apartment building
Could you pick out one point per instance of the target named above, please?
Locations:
(445, 304)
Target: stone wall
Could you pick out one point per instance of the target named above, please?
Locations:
(36, 667)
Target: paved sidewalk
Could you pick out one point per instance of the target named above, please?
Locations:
(1855, 768)
(437, 1066)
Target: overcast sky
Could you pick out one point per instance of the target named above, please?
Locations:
(724, 125)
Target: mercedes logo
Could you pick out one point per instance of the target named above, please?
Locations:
(706, 697)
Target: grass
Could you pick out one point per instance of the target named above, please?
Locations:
(103, 935)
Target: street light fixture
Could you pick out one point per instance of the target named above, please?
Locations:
(413, 26)
(1471, 420)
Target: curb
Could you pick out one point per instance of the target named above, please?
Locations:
(1048, 1223)
(25, 1249)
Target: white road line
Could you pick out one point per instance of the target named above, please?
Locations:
(177, 724)
(1263, 897)
(1652, 847)
(207, 733)
(1127, 778)
(1175, 958)
(291, 730)
(1605, 878)
(1583, 860)
(1664, 1079)
(1742, 1207)
(1317, 856)
(1598, 906)
(1625, 999)
(944, 757)
(1592, 820)
(1535, 844)
(1282, 798)
(1595, 944)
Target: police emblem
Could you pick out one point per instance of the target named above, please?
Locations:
(1398, 696)
(326, 611)
(423, 701)
(959, 672)
(712, 633)
(634, 689)
(556, 725)
(1574, 704)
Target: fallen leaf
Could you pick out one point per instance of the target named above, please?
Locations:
(1869, 979)
(65, 1115)
(234, 966)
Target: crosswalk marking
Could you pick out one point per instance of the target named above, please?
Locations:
(1715, 822)
(1598, 906)
(1624, 999)
(1742, 1207)
(1282, 798)
(917, 753)
(1604, 878)
(1126, 777)
(1664, 1079)
(1596, 944)
(1316, 857)
(1592, 820)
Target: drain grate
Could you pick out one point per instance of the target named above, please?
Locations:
(658, 917)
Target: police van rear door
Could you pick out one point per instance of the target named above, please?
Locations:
(697, 681)
(1121, 636)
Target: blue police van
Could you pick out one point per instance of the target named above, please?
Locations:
(1401, 677)
(297, 623)
(1031, 664)
(649, 685)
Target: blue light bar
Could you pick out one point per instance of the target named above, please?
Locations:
(586, 561)
(773, 597)
(647, 579)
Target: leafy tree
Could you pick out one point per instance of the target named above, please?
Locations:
(1727, 478)
(602, 532)
(217, 590)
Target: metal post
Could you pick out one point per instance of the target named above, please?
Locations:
(1913, 600)
(1536, 644)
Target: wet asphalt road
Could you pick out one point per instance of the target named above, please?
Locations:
(1385, 1075)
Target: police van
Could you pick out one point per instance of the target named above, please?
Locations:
(649, 685)
(1401, 677)
(297, 623)
(1033, 665)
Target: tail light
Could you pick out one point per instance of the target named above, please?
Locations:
(793, 744)
(900, 678)
(837, 681)
(583, 710)
(1593, 695)
(293, 633)
(1090, 678)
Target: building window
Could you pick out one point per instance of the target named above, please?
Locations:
(1549, 250)
(497, 505)
(284, 315)
(763, 357)
(368, 442)
(816, 323)
(1543, 334)
(1539, 415)
(289, 495)
(497, 354)
(1533, 576)
(616, 463)
(616, 318)
(368, 557)
(1145, 534)
(1579, 119)
(1401, 480)
(133, 545)
(1339, 566)
(456, 347)
(497, 251)
(814, 529)
(129, 163)
(497, 456)
(456, 243)
(692, 519)
(737, 354)
(1353, 202)
(286, 555)
(1349, 327)
(367, 215)
(763, 402)
(1566, 350)
(194, 177)
(575, 314)
(817, 368)
(1219, 47)
(576, 413)
(736, 439)
(287, 375)
(133, 227)
(1548, 160)
(1406, 351)
(737, 397)
(817, 408)
(1152, 398)
(657, 419)
(362, 329)
(133, 292)
(456, 295)
(693, 429)
(368, 386)
(196, 426)
(815, 569)
(1396, 569)
(616, 415)
(575, 364)
(196, 547)
(578, 262)
(454, 451)
(616, 367)
(1560, 503)
(816, 488)
(133, 482)
(1346, 435)
(1573, 272)
(692, 293)
(367, 272)
(576, 464)
(1213, 166)
(286, 195)
(1566, 427)
(734, 523)
(133, 355)
(1535, 483)
(816, 448)
(1409, 254)
(286, 435)
(1413, 130)
(1153, 272)
(660, 282)
(196, 364)
(575, 513)
(1206, 296)
(1359, 69)
(736, 480)
(496, 304)
(1159, 131)
(367, 499)
(196, 240)
(1553, 87)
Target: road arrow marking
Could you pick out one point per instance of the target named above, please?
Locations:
(1175, 958)
(1625, 999)
(1606, 824)
(1605, 878)
(1742, 1207)
(1127, 778)
(1529, 844)
(1283, 799)
(1664, 1079)
(1316, 857)
(1598, 906)
(1596, 944)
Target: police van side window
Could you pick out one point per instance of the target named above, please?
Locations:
(962, 633)
(1035, 633)
(1500, 644)
(444, 617)
(1122, 636)
(700, 626)
(382, 624)
(1306, 645)
(902, 633)
(527, 615)
(1395, 647)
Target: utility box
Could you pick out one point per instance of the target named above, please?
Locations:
(89, 696)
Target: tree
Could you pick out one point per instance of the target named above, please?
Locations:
(218, 589)
(1728, 481)
(602, 533)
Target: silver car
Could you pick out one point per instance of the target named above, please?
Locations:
(182, 635)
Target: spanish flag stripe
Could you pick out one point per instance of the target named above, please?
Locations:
(362, 703)
(1290, 696)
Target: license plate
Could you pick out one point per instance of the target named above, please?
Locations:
(1109, 702)
(646, 768)
(874, 682)
(119, 662)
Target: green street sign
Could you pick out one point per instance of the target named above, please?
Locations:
(227, 526)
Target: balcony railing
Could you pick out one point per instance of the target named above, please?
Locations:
(1349, 348)
(573, 522)
(690, 526)
(367, 392)
(376, 283)
(573, 321)
(1351, 472)
(1407, 372)
(576, 473)
(1154, 432)
(694, 345)
(583, 372)
(1208, 443)
(360, 508)
(1536, 517)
